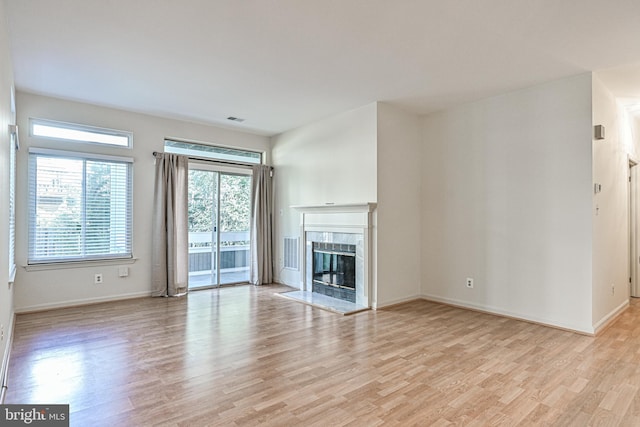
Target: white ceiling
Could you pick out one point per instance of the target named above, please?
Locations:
(280, 64)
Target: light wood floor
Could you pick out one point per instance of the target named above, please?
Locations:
(242, 356)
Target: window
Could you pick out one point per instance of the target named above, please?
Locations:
(80, 133)
(12, 202)
(79, 206)
(212, 152)
(13, 147)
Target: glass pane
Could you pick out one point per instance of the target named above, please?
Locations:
(80, 209)
(212, 152)
(79, 133)
(203, 187)
(12, 205)
(58, 208)
(106, 208)
(235, 211)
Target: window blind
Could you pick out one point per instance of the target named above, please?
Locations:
(12, 206)
(80, 207)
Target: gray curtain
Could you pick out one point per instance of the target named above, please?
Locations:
(261, 226)
(170, 240)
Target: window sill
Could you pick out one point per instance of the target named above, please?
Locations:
(79, 264)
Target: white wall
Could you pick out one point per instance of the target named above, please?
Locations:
(499, 190)
(329, 161)
(610, 207)
(6, 118)
(506, 198)
(398, 212)
(67, 286)
(370, 154)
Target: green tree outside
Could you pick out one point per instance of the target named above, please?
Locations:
(235, 202)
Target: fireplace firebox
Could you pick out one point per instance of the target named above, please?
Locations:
(334, 270)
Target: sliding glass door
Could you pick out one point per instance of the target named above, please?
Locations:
(219, 213)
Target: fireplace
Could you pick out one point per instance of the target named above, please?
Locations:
(334, 270)
(336, 255)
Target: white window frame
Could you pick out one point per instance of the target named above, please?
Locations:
(79, 133)
(34, 261)
(14, 145)
(13, 148)
(213, 153)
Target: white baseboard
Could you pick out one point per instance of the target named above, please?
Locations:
(285, 283)
(378, 305)
(510, 314)
(77, 302)
(607, 320)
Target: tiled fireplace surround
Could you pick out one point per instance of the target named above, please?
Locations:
(346, 224)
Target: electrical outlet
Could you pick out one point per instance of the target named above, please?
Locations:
(469, 282)
(97, 279)
(613, 289)
(123, 271)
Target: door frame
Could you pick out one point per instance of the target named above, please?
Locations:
(204, 165)
(634, 260)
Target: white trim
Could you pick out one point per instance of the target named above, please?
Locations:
(211, 166)
(333, 207)
(632, 223)
(79, 154)
(354, 229)
(4, 369)
(80, 302)
(78, 264)
(281, 281)
(13, 163)
(613, 315)
(404, 300)
(510, 314)
(203, 153)
(82, 128)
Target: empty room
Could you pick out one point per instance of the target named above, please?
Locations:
(319, 213)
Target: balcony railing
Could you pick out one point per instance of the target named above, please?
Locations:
(234, 258)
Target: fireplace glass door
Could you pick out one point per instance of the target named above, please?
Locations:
(334, 270)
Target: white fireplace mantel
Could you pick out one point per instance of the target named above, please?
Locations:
(334, 207)
(335, 216)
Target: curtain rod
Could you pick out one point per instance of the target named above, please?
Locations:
(206, 159)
